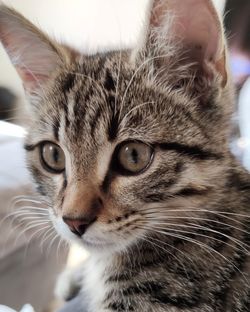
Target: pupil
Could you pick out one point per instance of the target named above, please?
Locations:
(56, 155)
(134, 156)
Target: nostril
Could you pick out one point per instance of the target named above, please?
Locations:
(82, 229)
(78, 226)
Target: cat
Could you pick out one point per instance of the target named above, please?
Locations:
(130, 149)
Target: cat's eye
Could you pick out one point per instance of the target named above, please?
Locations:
(52, 157)
(133, 157)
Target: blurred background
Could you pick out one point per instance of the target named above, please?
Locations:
(31, 255)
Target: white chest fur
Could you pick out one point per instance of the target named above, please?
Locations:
(95, 287)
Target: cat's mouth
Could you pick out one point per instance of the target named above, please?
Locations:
(95, 238)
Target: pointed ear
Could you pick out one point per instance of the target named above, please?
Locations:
(34, 56)
(192, 27)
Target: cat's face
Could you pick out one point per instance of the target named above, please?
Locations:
(124, 148)
(119, 143)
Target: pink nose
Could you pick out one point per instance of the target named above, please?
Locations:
(78, 226)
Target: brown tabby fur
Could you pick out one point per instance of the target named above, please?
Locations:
(175, 238)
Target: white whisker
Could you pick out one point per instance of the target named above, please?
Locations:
(167, 227)
(204, 246)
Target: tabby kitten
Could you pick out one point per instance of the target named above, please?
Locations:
(131, 151)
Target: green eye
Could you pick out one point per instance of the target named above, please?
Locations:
(52, 157)
(133, 157)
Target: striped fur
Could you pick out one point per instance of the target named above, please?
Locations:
(176, 237)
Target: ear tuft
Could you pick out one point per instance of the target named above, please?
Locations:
(33, 54)
(188, 34)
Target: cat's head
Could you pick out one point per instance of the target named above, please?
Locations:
(122, 143)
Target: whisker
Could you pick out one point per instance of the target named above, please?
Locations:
(28, 213)
(237, 242)
(199, 219)
(202, 245)
(19, 218)
(58, 248)
(52, 242)
(135, 108)
(219, 212)
(47, 236)
(152, 241)
(30, 239)
(33, 224)
(18, 199)
(13, 214)
(23, 221)
(118, 81)
(31, 208)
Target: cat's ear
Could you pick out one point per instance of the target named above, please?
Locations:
(190, 30)
(34, 56)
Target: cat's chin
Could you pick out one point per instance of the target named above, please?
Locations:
(100, 244)
(97, 244)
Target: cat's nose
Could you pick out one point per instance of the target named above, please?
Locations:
(78, 226)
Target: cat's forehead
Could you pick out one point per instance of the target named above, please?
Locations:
(102, 89)
(106, 98)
